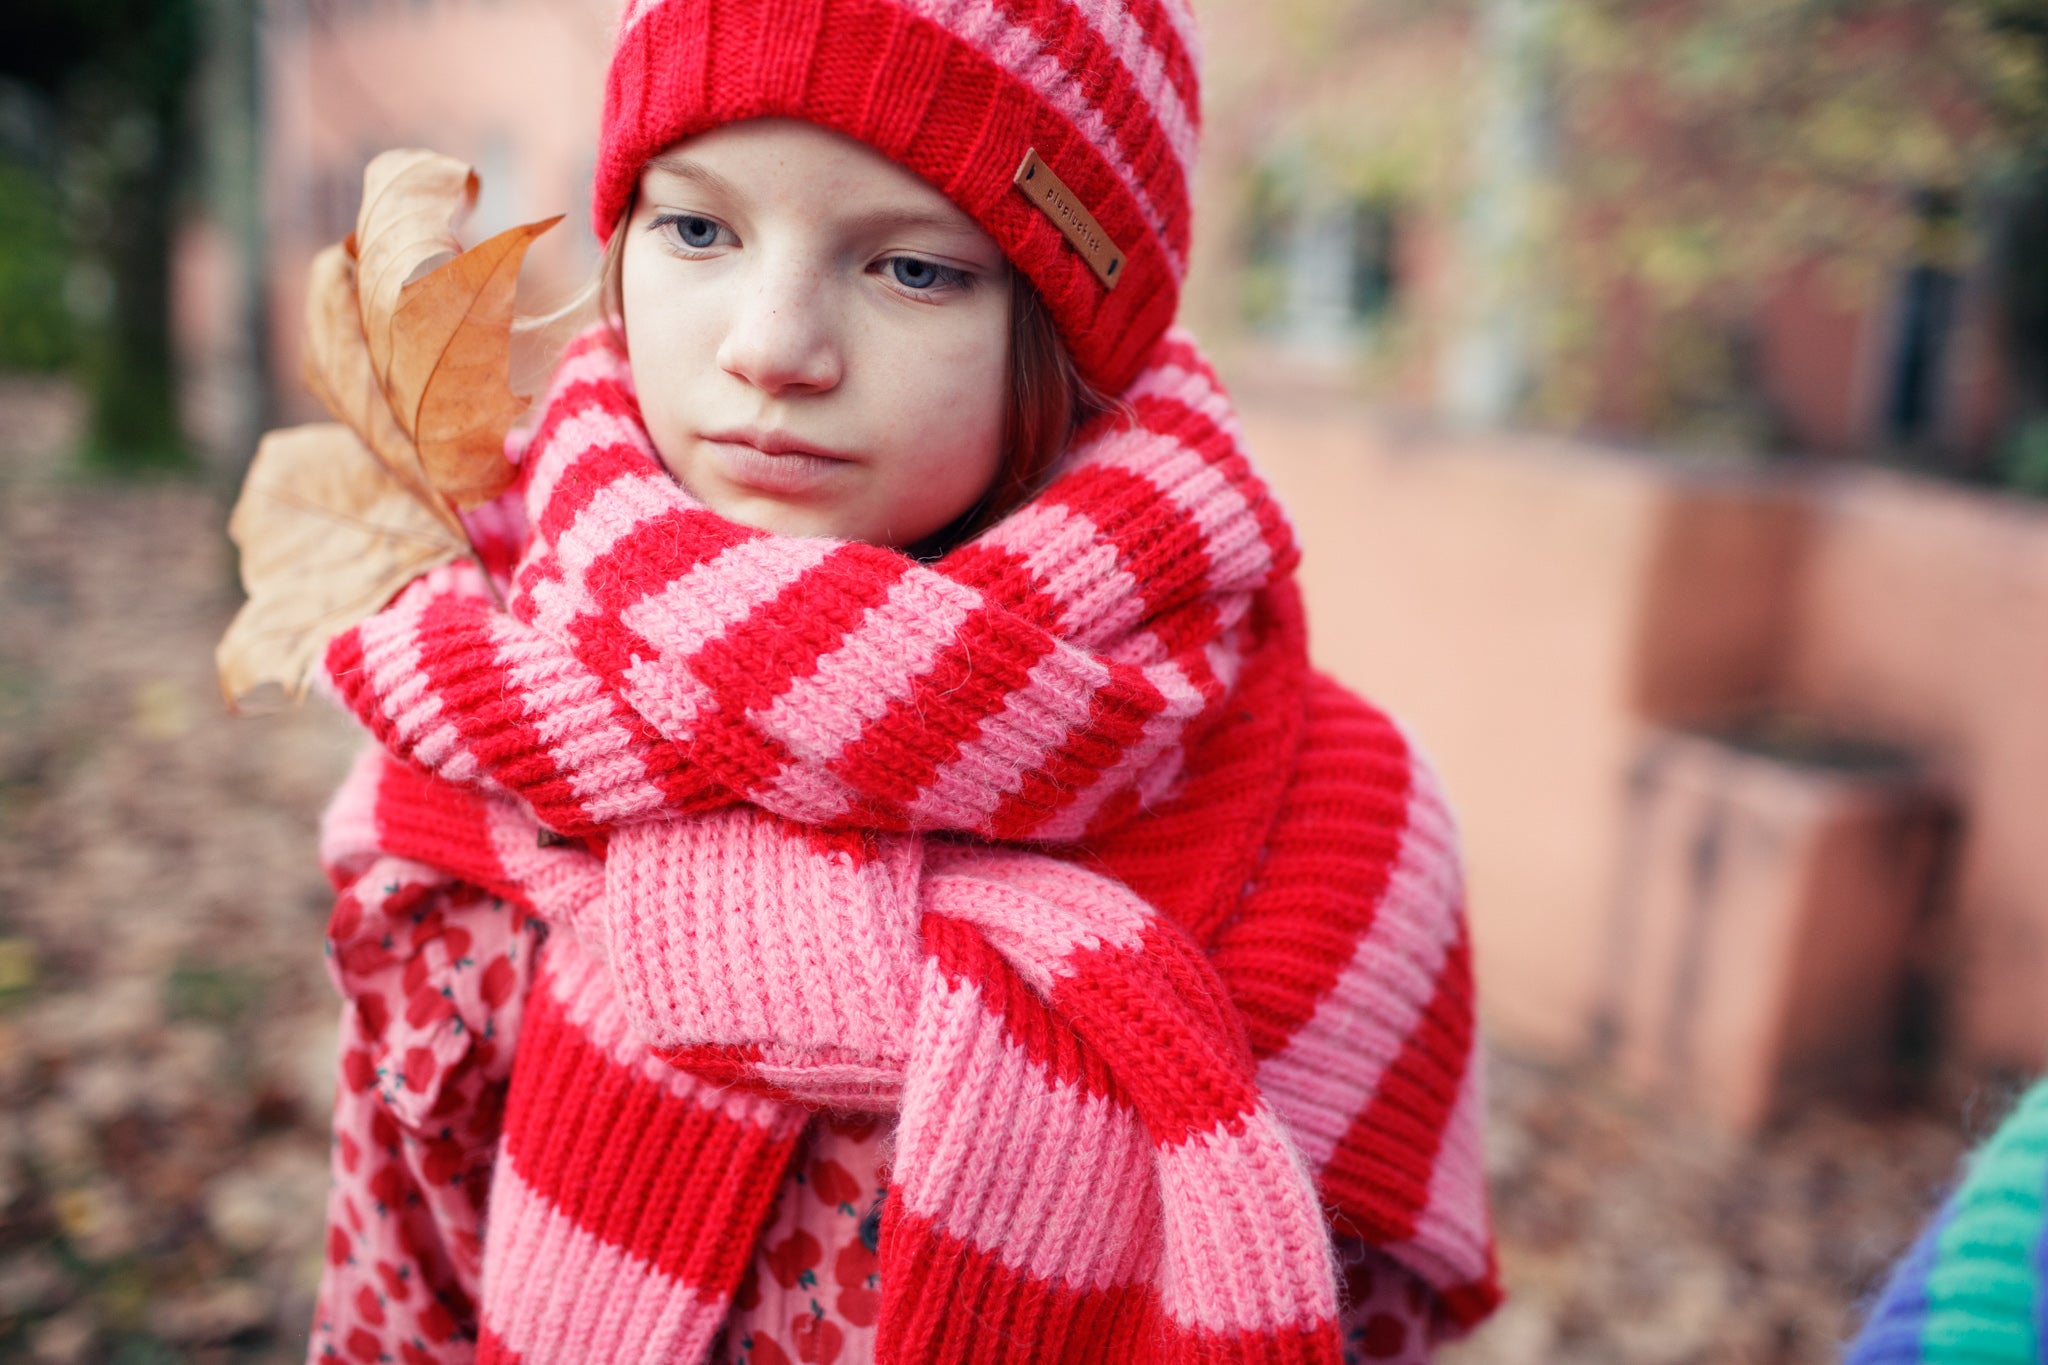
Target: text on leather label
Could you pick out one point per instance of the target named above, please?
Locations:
(1058, 203)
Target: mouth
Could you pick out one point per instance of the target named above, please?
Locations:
(774, 461)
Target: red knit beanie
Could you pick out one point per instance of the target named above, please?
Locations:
(963, 92)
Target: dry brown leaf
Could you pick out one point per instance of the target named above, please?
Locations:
(327, 536)
(451, 366)
(335, 519)
(337, 368)
(411, 202)
(440, 334)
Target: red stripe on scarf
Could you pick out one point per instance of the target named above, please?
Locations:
(1170, 415)
(1333, 846)
(678, 1184)
(1156, 542)
(644, 561)
(900, 752)
(1116, 721)
(1026, 1320)
(1004, 576)
(1027, 1019)
(1390, 1181)
(594, 468)
(1017, 1319)
(1163, 999)
(755, 661)
(458, 657)
(439, 825)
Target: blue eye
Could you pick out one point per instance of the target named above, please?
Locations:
(691, 231)
(921, 275)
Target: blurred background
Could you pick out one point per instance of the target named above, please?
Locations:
(1660, 388)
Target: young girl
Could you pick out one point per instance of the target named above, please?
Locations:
(890, 887)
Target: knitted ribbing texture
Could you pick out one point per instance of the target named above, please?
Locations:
(1973, 1289)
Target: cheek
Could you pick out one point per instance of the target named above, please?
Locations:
(969, 391)
(958, 413)
(666, 342)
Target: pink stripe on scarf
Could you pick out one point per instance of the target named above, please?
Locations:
(1231, 1188)
(967, 791)
(1333, 1064)
(1157, 746)
(413, 705)
(613, 511)
(1079, 565)
(589, 735)
(1039, 1145)
(1452, 1229)
(1033, 912)
(552, 1291)
(718, 594)
(826, 709)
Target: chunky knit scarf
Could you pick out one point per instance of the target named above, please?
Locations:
(781, 763)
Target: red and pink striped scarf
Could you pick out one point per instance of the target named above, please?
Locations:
(1054, 848)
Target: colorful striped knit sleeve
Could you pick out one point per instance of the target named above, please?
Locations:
(1973, 1290)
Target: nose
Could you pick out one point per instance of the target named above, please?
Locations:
(782, 338)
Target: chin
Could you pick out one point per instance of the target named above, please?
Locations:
(779, 519)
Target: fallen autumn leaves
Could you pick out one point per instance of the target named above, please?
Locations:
(166, 1026)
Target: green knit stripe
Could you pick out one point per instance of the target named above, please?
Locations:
(1986, 1282)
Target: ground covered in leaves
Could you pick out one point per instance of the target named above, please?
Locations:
(166, 1024)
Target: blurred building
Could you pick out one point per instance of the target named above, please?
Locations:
(513, 87)
(1483, 212)
(1379, 238)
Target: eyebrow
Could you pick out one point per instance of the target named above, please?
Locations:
(893, 220)
(683, 168)
(680, 165)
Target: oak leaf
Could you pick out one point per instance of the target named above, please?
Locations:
(328, 535)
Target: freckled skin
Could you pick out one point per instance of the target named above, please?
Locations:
(820, 339)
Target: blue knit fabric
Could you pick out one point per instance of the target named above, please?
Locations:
(1891, 1335)
(1973, 1289)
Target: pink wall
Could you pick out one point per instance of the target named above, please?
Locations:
(1921, 614)
(514, 88)
(1534, 607)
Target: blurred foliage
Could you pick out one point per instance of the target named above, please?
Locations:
(211, 994)
(1715, 146)
(115, 78)
(2023, 459)
(36, 328)
(1690, 157)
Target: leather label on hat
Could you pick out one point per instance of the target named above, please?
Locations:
(1058, 203)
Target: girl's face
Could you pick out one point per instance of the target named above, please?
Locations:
(819, 338)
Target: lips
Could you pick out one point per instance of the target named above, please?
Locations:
(773, 461)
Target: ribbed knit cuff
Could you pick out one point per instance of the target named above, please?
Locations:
(736, 930)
